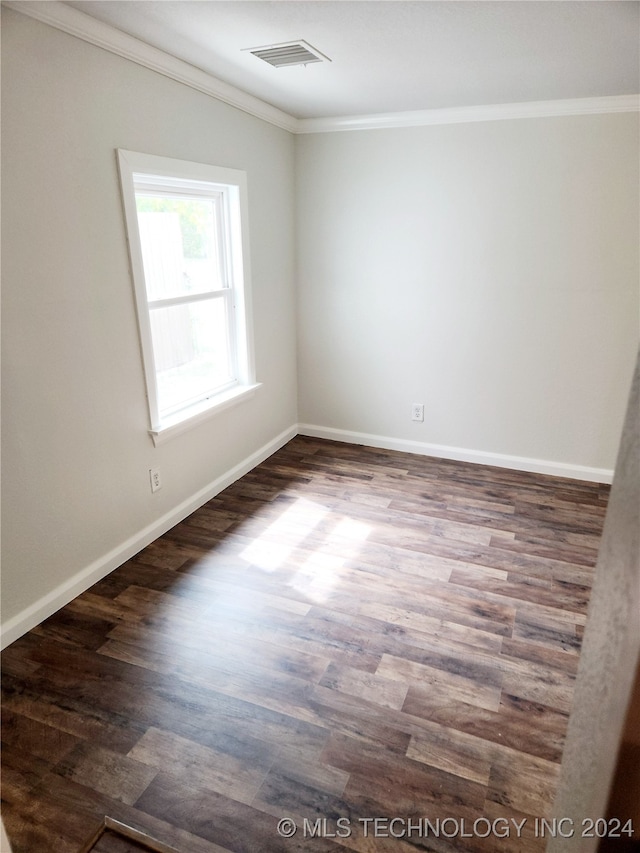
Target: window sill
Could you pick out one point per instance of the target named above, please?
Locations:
(185, 420)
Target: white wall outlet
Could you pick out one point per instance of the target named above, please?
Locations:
(417, 412)
(154, 476)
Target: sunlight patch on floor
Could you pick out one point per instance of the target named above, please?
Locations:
(318, 576)
(270, 550)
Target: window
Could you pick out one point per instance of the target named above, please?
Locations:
(187, 233)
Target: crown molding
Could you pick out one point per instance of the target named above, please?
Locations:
(83, 26)
(459, 115)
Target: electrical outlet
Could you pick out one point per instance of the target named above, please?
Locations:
(417, 412)
(154, 476)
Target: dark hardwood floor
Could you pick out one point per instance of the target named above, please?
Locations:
(344, 634)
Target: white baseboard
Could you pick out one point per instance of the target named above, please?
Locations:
(442, 451)
(82, 580)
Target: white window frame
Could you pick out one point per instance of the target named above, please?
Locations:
(140, 172)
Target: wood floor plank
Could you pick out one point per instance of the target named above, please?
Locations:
(215, 770)
(34, 737)
(425, 679)
(120, 777)
(527, 726)
(345, 633)
(323, 818)
(455, 752)
(383, 691)
(522, 781)
(225, 822)
(446, 630)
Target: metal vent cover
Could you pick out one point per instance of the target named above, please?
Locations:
(288, 53)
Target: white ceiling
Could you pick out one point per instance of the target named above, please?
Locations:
(397, 55)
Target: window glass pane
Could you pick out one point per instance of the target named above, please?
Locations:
(180, 245)
(191, 349)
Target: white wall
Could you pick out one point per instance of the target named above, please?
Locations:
(489, 270)
(609, 657)
(76, 452)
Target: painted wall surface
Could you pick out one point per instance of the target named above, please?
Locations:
(489, 271)
(609, 657)
(76, 452)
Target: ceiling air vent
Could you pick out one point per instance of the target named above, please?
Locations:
(288, 53)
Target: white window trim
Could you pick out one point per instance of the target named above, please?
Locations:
(202, 411)
(161, 171)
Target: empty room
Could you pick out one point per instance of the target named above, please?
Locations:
(320, 427)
